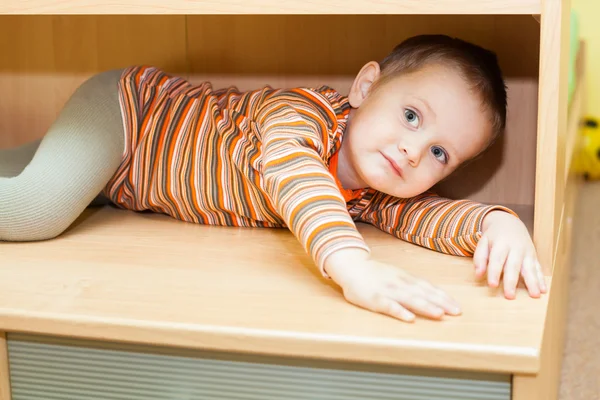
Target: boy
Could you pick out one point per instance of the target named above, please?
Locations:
(311, 160)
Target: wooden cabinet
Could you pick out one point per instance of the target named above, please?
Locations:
(118, 279)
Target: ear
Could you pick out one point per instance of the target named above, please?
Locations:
(368, 74)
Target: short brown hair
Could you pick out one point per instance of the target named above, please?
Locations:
(478, 66)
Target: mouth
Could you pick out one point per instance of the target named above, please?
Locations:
(394, 165)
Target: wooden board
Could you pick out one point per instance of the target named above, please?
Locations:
(552, 123)
(270, 7)
(4, 369)
(149, 279)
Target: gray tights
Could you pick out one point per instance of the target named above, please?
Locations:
(45, 185)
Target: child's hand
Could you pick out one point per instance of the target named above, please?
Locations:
(386, 289)
(506, 246)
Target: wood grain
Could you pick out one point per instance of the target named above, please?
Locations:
(5, 390)
(149, 279)
(270, 7)
(46, 57)
(544, 385)
(342, 44)
(552, 123)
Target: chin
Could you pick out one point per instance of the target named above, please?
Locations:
(401, 190)
(383, 185)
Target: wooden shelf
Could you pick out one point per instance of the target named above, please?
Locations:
(270, 7)
(149, 279)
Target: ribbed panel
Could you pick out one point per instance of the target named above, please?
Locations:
(51, 371)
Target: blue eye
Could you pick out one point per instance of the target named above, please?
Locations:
(411, 117)
(440, 154)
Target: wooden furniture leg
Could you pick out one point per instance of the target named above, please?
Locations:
(551, 130)
(4, 372)
(545, 385)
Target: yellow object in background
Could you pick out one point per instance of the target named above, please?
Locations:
(587, 159)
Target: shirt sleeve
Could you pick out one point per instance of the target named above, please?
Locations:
(295, 145)
(428, 220)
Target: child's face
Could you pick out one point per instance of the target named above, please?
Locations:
(411, 132)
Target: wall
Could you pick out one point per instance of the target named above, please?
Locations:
(588, 12)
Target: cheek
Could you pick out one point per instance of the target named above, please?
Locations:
(377, 128)
(430, 171)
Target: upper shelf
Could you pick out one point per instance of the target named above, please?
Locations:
(270, 7)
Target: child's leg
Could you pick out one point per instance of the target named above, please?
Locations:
(13, 161)
(73, 163)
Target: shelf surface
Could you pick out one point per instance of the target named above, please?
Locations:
(148, 279)
(270, 7)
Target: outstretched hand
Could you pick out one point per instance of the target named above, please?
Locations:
(387, 289)
(506, 248)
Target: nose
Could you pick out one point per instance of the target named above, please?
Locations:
(412, 152)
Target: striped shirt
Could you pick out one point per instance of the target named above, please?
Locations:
(264, 158)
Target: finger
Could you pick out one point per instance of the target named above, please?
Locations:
(387, 306)
(512, 268)
(496, 262)
(530, 276)
(480, 257)
(541, 277)
(419, 305)
(440, 298)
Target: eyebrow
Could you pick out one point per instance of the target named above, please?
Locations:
(426, 104)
